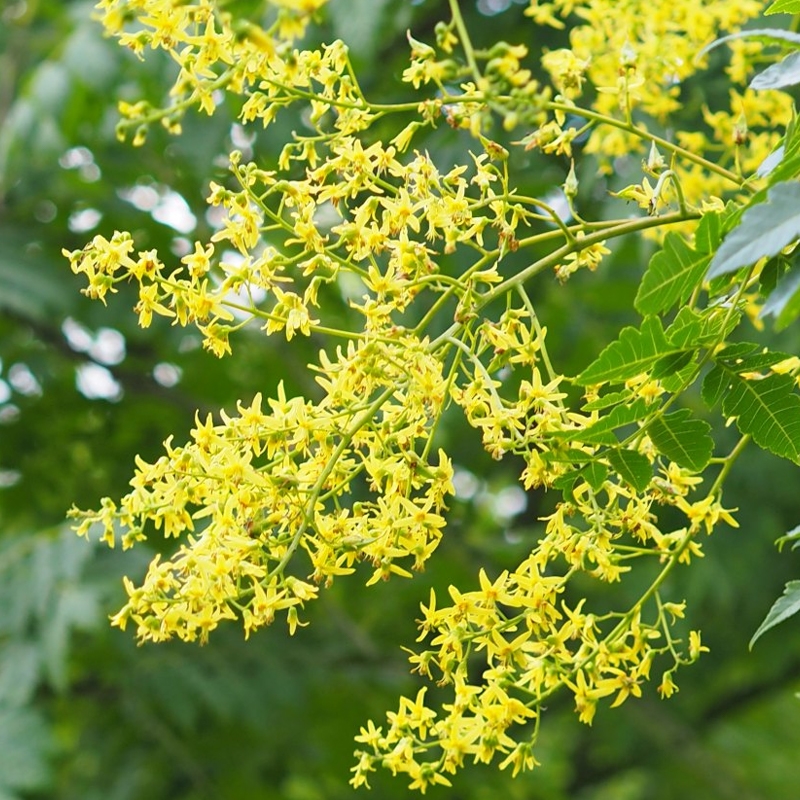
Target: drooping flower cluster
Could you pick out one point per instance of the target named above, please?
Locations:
(266, 506)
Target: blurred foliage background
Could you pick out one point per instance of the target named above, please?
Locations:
(86, 714)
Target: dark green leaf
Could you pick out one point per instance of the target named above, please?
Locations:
(784, 607)
(595, 474)
(784, 73)
(683, 439)
(771, 274)
(765, 229)
(768, 410)
(674, 362)
(634, 468)
(715, 384)
(633, 353)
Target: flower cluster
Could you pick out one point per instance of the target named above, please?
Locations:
(261, 485)
(503, 649)
(267, 505)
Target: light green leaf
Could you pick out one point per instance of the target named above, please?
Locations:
(784, 73)
(633, 353)
(768, 410)
(765, 229)
(784, 7)
(683, 439)
(633, 467)
(671, 276)
(787, 605)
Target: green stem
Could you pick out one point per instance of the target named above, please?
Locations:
(642, 133)
(466, 43)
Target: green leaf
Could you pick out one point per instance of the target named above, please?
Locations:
(595, 474)
(748, 357)
(790, 157)
(784, 302)
(715, 384)
(784, 7)
(771, 161)
(765, 229)
(671, 276)
(771, 274)
(634, 468)
(784, 73)
(692, 329)
(677, 383)
(768, 410)
(632, 354)
(608, 400)
(683, 439)
(787, 605)
(674, 362)
(792, 536)
(602, 431)
(711, 229)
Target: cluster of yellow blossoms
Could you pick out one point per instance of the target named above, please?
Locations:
(269, 505)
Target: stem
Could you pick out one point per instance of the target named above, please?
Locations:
(466, 43)
(359, 422)
(643, 133)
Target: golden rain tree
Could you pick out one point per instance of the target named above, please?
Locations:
(271, 504)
